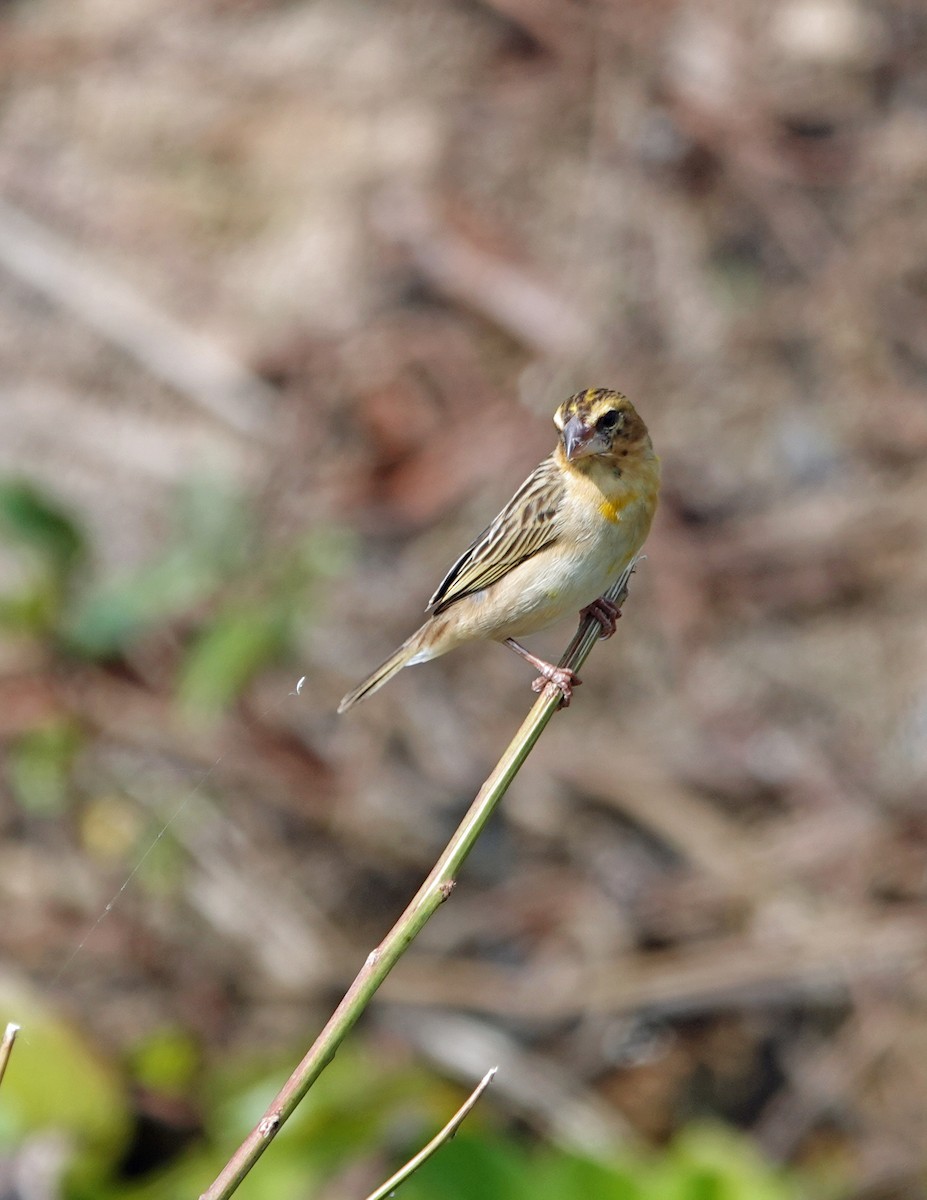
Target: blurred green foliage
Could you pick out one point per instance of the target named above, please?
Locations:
(39, 767)
(210, 545)
(48, 547)
(57, 1083)
(166, 1061)
(704, 1163)
(35, 520)
(235, 598)
(363, 1112)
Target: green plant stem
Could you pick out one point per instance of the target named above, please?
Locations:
(6, 1046)
(386, 1189)
(433, 892)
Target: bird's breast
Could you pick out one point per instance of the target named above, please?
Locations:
(596, 536)
(610, 510)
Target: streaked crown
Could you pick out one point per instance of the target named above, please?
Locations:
(599, 421)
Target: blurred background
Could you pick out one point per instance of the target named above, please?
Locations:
(288, 294)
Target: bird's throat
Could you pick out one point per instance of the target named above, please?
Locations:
(618, 485)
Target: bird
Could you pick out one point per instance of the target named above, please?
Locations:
(573, 526)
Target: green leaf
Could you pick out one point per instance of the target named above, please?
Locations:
(50, 547)
(561, 1176)
(109, 618)
(471, 1166)
(211, 540)
(56, 1081)
(34, 520)
(226, 657)
(40, 767)
(166, 1061)
(711, 1162)
(34, 609)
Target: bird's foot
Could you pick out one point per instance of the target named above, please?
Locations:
(605, 612)
(560, 679)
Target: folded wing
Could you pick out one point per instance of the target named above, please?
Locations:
(525, 526)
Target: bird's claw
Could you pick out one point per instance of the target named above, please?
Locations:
(559, 679)
(605, 612)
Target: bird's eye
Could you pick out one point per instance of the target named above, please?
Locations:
(609, 420)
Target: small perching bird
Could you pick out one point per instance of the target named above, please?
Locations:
(566, 535)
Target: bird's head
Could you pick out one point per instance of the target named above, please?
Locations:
(600, 423)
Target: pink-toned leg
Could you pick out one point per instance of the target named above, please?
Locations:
(605, 612)
(561, 678)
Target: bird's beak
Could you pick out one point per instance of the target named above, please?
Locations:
(577, 438)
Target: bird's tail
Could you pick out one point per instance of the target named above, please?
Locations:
(412, 649)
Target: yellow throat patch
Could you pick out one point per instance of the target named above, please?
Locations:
(611, 510)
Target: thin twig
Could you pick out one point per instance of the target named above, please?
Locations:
(433, 892)
(437, 1141)
(6, 1046)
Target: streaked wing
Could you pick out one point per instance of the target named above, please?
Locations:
(525, 526)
